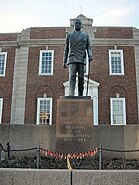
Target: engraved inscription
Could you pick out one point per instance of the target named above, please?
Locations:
(74, 125)
(76, 133)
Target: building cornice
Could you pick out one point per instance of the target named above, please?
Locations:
(8, 44)
(57, 42)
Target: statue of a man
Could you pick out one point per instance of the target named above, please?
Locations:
(77, 44)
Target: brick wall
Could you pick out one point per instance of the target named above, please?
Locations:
(125, 85)
(48, 33)
(53, 85)
(109, 85)
(6, 84)
(114, 32)
(38, 85)
(8, 36)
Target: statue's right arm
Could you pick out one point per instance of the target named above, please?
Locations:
(66, 52)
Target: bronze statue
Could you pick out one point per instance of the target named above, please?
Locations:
(77, 44)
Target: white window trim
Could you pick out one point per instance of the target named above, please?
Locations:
(38, 109)
(124, 110)
(92, 91)
(40, 62)
(1, 100)
(122, 62)
(5, 53)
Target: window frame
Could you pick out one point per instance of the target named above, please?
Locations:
(38, 110)
(122, 62)
(1, 107)
(124, 110)
(40, 62)
(5, 61)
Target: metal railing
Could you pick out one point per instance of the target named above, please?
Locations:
(9, 150)
(38, 149)
(101, 149)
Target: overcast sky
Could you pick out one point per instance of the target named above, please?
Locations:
(16, 15)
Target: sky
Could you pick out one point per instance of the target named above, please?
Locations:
(16, 15)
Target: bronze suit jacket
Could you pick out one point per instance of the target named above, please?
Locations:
(76, 47)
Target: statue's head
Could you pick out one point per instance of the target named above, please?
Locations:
(77, 24)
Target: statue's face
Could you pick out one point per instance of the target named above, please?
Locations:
(78, 25)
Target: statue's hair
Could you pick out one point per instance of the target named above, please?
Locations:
(75, 20)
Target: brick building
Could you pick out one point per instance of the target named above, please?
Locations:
(32, 77)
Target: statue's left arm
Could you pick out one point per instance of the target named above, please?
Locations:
(89, 49)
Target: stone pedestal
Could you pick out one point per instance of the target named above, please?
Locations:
(74, 125)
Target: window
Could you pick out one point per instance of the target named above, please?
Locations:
(1, 104)
(46, 62)
(3, 57)
(44, 111)
(116, 64)
(118, 111)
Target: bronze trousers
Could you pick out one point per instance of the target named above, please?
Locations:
(73, 70)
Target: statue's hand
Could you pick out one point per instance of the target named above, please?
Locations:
(64, 65)
(90, 59)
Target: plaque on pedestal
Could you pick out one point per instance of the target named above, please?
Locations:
(74, 125)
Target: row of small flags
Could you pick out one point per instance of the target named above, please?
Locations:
(56, 155)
